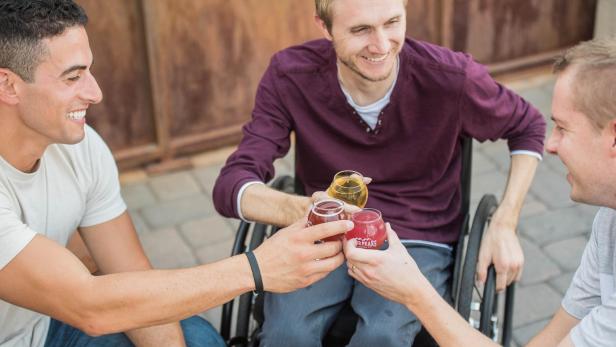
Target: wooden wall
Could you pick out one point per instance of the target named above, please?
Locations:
(179, 76)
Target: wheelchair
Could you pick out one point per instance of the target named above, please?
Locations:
(483, 308)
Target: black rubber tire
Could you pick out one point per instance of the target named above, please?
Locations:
(467, 279)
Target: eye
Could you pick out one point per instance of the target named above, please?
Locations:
(74, 78)
(392, 22)
(359, 30)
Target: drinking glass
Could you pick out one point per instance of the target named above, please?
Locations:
(349, 187)
(328, 210)
(369, 229)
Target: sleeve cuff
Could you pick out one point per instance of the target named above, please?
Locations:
(239, 198)
(531, 153)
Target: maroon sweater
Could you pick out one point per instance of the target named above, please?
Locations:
(413, 155)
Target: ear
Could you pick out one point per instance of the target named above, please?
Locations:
(8, 92)
(610, 130)
(322, 27)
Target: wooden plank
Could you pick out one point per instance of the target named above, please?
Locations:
(158, 79)
(497, 31)
(120, 65)
(211, 55)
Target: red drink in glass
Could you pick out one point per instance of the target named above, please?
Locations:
(329, 210)
(369, 229)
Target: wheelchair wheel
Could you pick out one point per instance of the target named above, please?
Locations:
(481, 308)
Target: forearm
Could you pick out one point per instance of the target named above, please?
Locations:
(124, 301)
(520, 178)
(160, 335)
(442, 321)
(169, 334)
(266, 205)
(556, 332)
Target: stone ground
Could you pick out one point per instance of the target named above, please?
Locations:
(179, 227)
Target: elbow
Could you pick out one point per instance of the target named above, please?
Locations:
(87, 313)
(223, 201)
(95, 323)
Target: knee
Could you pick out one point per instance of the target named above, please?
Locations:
(200, 333)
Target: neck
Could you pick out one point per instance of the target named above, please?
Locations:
(363, 91)
(17, 146)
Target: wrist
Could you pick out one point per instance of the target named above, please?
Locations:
(505, 217)
(421, 293)
(256, 272)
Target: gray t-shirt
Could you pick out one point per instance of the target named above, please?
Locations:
(74, 186)
(591, 296)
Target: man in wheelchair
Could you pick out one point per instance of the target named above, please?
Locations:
(584, 137)
(395, 109)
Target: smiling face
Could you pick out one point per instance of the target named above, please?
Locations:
(52, 109)
(585, 150)
(367, 36)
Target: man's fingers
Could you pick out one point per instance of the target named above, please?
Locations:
(349, 209)
(392, 237)
(325, 230)
(518, 277)
(501, 281)
(319, 195)
(360, 255)
(327, 265)
(482, 268)
(327, 249)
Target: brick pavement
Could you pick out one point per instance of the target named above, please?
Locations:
(179, 227)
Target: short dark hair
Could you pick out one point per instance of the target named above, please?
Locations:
(25, 23)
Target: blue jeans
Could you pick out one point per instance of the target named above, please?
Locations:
(301, 318)
(197, 332)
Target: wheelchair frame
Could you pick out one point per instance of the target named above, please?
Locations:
(463, 278)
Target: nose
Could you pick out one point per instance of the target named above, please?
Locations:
(380, 42)
(552, 143)
(92, 92)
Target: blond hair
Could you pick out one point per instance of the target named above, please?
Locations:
(324, 11)
(593, 64)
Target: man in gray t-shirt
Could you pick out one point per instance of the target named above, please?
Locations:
(591, 297)
(584, 137)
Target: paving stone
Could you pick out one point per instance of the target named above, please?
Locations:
(174, 185)
(206, 176)
(498, 153)
(539, 98)
(532, 207)
(548, 86)
(487, 183)
(524, 334)
(140, 225)
(562, 282)
(212, 253)
(174, 212)
(213, 316)
(138, 195)
(537, 266)
(534, 303)
(481, 164)
(551, 188)
(552, 162)
(207, 231)
(567, 253)
(555, 225)
(167, 250)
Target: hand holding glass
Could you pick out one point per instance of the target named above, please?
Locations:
(369, 229)
(328, 210)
